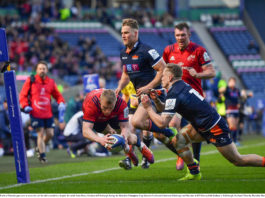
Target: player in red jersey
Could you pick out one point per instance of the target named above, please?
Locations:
(107, 113)
(196, 65)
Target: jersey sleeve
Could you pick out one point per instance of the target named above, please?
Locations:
(165, 55)
(89, 110)
(171, 104)
(203, 56)
(153, 56)
(23, 96)
(56, 94)
(123, 112)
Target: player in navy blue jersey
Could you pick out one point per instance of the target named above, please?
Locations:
(205, 122)
(143, 66)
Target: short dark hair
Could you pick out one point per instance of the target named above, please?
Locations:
(181, 26)
(41, 62)
(131, 23)
(175, 69)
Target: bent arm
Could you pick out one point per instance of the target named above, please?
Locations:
(125, 130)
(161, 121)
(159, 67)
(208, 72)
(125, 79)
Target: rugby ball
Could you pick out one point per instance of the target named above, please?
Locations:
(118, 143)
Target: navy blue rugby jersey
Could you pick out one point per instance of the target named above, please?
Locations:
(186, 101)
(139, 62)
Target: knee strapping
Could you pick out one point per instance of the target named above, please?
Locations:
(182, 140)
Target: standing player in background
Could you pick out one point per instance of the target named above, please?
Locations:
(143, 66)
(232, 100)
(35, 98)
(105, 112)
(196, 65)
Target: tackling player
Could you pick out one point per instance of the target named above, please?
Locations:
(196, 65)
(105, 112)
(205, 123)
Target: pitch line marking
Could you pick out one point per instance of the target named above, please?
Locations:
(111, 169)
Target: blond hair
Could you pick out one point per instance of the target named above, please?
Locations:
(109, 96)
(174, 69)
(132, 23)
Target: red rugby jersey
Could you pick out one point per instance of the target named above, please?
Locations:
(93, 113)
(194, 56)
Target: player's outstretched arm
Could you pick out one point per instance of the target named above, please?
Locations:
(91, 135)
(161, 121)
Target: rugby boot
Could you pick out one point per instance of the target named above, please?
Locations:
(131, 154)
(126, 164)
(147, 153)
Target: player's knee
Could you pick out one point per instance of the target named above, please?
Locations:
(238, 162)
(136, 123)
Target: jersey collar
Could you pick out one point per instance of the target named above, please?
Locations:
(134, 47)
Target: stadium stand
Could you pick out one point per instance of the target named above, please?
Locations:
(242, 51)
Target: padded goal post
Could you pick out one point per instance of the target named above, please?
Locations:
(17, 132)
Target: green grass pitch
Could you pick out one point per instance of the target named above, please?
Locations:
(102, 175)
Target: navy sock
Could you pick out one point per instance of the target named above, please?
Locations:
(138, 143)
(196, 147)
(42, 155)
(148, 140)
(234, 135)
(166, 131)
(194, 168)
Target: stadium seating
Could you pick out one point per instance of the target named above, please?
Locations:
(234, 42)
(159, 38)
(108, 44)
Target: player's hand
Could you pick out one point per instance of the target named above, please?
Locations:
(104, 141)
(28, 109)
(117, 91)
(153, 94)
(192, 72)
(146, 102)
(142, 90)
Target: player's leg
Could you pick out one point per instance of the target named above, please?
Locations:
(147, 139)
(231, 153)
(176, 122)
(181, 142)
(141, 121)
(232, 121)
(40, 149)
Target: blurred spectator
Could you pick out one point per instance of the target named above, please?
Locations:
(5, 133)
(253, 45)
(73, 105)
(73, 135)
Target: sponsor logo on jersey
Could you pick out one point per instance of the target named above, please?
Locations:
(135, 57)
(153, 53)
(129, 68)
(180, 64)
(126, 112)
(135, 67)
(124, 57)
(170, 104)
(191, 58)
(206, 56)
(172, 58)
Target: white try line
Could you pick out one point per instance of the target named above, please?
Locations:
(111, 169)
